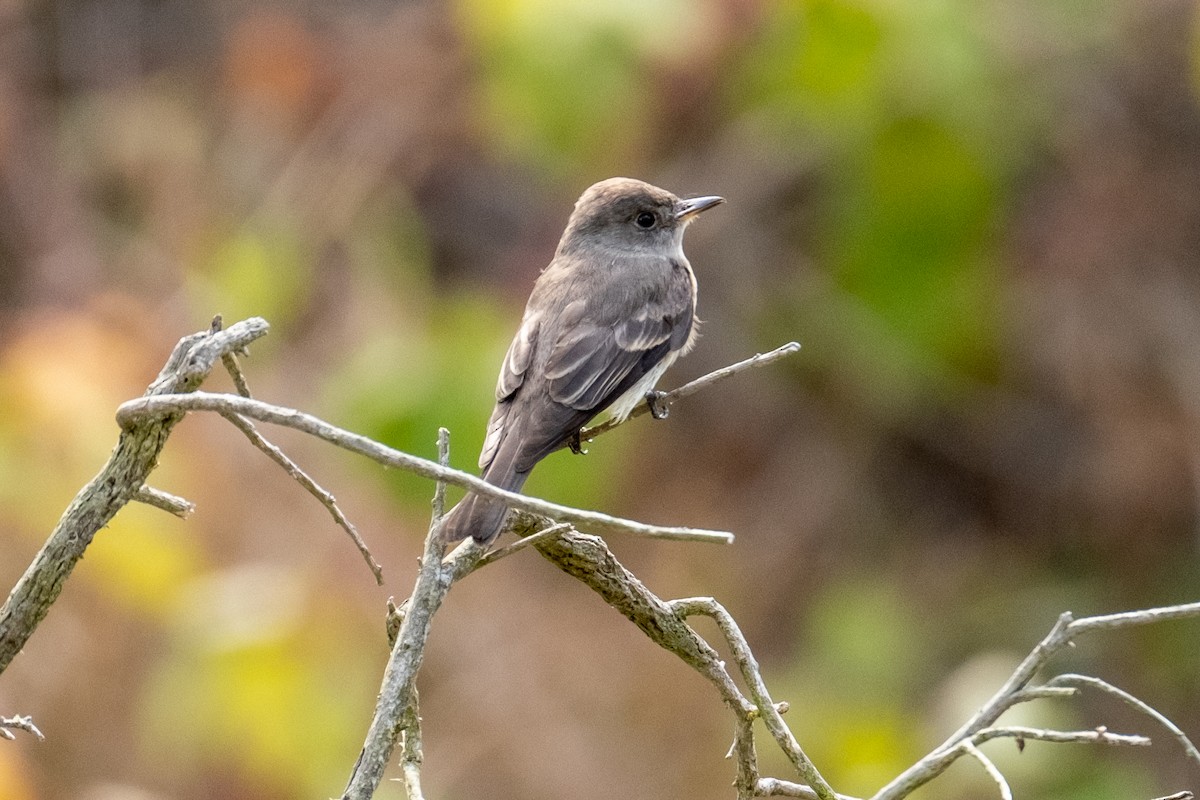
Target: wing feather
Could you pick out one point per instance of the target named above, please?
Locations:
(607, 349)
(518, 358)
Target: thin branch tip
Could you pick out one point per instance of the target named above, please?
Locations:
(165, 501)
(690, 388)
(19, 723)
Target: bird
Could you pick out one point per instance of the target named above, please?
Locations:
(612, 311)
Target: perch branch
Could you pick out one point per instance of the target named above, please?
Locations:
(589, 560)
(118, 482)
(134, 413)
(703, 382)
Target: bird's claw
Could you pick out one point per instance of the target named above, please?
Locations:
(576, 444)
(658, 409)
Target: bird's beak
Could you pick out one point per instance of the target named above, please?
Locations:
(690, 208)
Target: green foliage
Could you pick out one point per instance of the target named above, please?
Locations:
(259, 679)
(254, 271)
(569, 87)
(911, 242)
(816, 65)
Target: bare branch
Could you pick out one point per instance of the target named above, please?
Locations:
(588, 559)
(1099, 735)
(411, 754)
(748, 666)
(1070, 680)
(774, 787)
(522, 543)
(9, 724)
(397, 693)
(439, 488)
(134, 413)
(668, 398)
(117, 483)
(940, 760)
(165, 501)
(1128, 619)
(1060, 636)
(1041, 693)
(324, 497)
(309, 485)
(1016, 689)
(990, 769)
(235, 372)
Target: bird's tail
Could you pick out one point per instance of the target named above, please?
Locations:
(481, 517)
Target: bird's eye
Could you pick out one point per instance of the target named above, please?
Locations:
(645, 220)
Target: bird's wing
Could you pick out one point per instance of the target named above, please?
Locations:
(512, 375)
(518, 357)
(604, 346)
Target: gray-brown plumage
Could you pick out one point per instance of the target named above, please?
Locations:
(611, 312)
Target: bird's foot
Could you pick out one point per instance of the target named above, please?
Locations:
(658, 408)
(576, 444)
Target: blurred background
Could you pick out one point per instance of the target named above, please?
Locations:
(981, 220)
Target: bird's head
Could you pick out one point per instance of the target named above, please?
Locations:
(623, 213)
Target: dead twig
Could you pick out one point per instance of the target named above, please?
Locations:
(1017, 690)
(323, 496)
(397, 693)
(165, 501)
(19, 723)
(119, 481)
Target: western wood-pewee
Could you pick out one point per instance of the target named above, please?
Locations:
(611, 312)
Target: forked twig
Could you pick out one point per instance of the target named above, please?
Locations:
(1017, 690)
(323, 496)
(1073, 681)
(19, 723)
(119, 481)
(397, 694)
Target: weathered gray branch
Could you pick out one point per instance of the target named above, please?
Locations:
(147, 422)
(1072, 682)
(19, 723)
(1017, 690)
(120, 481)
(703, 382)
(766, 708)
(165, 501)
(133, 414)
(397, 694)
(588, 559)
